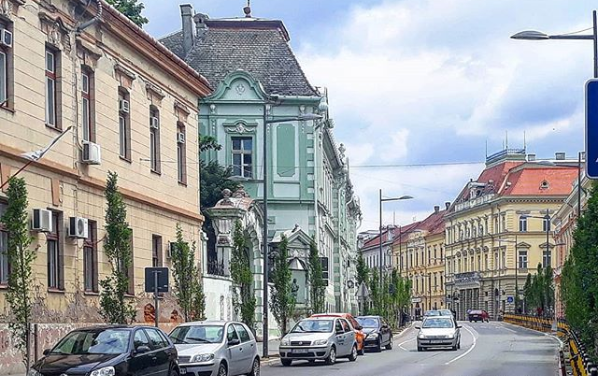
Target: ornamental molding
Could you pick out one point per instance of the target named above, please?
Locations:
(181, 111)
(9, 7)
(88, 53)
(124, 76)
(154, 93)
(56, 30)
(240, 127)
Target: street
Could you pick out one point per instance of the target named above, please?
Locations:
(487, 349)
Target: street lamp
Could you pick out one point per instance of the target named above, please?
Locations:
(538, 35)
(302, 117)
(381, 200)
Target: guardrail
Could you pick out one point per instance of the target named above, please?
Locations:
(573, 358)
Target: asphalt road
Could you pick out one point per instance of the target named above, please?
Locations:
(487, 349)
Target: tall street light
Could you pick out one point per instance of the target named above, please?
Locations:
(538, 35)
(381, 200)
(304, 117)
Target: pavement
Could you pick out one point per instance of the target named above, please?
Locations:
(487, 349)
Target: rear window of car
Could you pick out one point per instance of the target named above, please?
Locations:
(368, 322)
(244, 336)
(156, 340)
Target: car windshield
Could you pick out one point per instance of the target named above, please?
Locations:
(367, 322)
(197, 334)
(440, 322)
(101, 341)
(432, 313)
(313, 326)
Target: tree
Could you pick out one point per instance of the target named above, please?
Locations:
(282, 302)
(188, 288)
(240, 270)
(20, 259)
(375, 295)
(363, 272)
(207, 143)
(116, 308)
(315, 276)
(131, 9)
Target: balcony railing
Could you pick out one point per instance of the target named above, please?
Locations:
(474, 202)
(216, 267)
(467, 278)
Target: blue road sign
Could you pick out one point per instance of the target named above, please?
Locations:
(510, 299)
(592, 129)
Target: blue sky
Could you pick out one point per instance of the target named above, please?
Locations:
(426, 82)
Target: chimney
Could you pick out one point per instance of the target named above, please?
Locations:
(560, 156)
(188, 29)
(447, 205)
(436, 209)
(531, 157)
(200, 25)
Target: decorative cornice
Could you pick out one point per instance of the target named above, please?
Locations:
(6, 7)
(240, 126)
(154, 90)
(119, 69)
(56, 30)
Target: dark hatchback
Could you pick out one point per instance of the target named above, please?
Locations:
(110, 351)
(377, 332)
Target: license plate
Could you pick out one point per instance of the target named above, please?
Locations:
(183, 371)
(436, 341)
(300, 351)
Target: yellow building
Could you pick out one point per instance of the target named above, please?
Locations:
(132, 106)
(496, 232)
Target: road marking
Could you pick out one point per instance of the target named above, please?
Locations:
(404, 342)
(505, 328)
(468, 351)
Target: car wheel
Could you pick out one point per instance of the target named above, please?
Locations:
(311, 361)
(419, 348)
(362, 351)
(331, 357)
(459, 345)
(353, 356)
(222, 371)
(255, 369)
(174, 372)
(286, 362)
(389, 345)
(378, 347)
(454, 348)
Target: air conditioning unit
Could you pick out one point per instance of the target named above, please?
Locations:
(92, 153)
(171, 249)
(42, 221)
(180, 137)
(154, 122)
(78, 228)
(124, 106)
(5, 38)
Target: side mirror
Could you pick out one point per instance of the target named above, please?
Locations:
(418, 327)
(234, 342)
(142, 349)
(46, 352)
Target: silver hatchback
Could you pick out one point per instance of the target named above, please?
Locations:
(321, 338)
(216, 348)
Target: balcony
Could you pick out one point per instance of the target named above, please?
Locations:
(467, 280)
(474, 202)
(217, 268)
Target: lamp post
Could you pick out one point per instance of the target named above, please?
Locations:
(305, 117)
(381, 200)
(537, 35)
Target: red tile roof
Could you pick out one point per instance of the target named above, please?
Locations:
(529, 181)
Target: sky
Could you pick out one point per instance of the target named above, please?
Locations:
(421, 90)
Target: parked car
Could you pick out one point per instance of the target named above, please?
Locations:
(221, 348)
(377, 332)
(478, 315)
(110, 351)
(319, 338)
(438, 332)
(359, 333)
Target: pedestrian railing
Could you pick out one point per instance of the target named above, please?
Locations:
(573, 358)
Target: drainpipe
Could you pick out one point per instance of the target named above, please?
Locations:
(98, 16)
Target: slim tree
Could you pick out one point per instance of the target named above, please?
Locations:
(363, 272)
(316, 283)
(188, 288)
(375, 294)
(116, 308)
(283, 302)
(240, 270)
(20, 259)
(131, 9)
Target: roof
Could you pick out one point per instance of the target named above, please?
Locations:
(434, 224)
(396, 232)
(260, 47)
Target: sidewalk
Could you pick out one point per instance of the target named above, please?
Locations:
(272, 348)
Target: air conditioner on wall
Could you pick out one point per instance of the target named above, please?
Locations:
(154, 122)
(171, 249)
(78, 228)
(124, 106)
(5, 38)
(42, 221)
(180, 137)
(92, 153)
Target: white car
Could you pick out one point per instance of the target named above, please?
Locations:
(216, 348)
(439, 331)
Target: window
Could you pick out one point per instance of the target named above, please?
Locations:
(156, 340)
(124, 123)
(522, 224)
(140, 339)
(243, 334)
(87, 105)
(479, 262)
(481, 230)
(522, 259)
(52, 61)
(243, 157)
(55, 253)
(6, 69)
(546, 224)
(156, 251)
(181, 154)
(546, 257)
(4, 268)
(155, 139)
(485, 262)
(231, 333)
(90, 258)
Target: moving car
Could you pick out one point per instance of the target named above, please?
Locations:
(319, 338)
(220, 348)
(377, 332)
(110, 351)
(478, 315)
(439, 331)
(359, 333)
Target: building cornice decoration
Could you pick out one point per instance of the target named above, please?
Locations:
(56, 30)
(227, 84)
(239, 126)
(124, 75)
(88, 53)
(7, 9)
(154, 93)
(181, 111)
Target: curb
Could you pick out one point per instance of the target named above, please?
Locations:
(271, 359)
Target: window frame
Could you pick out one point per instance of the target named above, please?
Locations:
(87, 104)
(55, 272)
(243, 153)
(51, 76)
(181, 148)
(522, 255)
(154, 144)
(124, 126)
(7, 86)
(522, 224)
(157, 258)
(90, 250)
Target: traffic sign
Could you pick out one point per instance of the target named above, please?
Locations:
(510, 299)
(592, 129)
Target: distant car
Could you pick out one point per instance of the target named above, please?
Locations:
(359, 333)
(377, 332)
(319, 338)
(110, 350)
(478, 315)
(432, 312)
(439, 331)
(221, 348)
